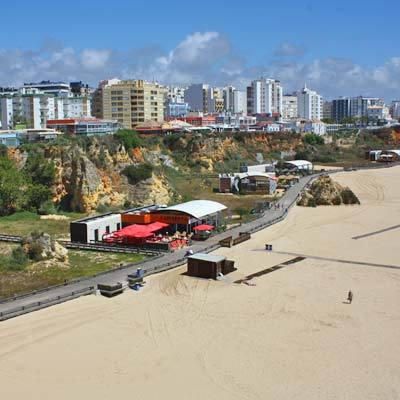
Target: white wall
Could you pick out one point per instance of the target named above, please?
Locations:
(239, 102)
(100, 224)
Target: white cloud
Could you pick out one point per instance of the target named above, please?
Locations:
(286, 49)
(94, 59)
(200, 57)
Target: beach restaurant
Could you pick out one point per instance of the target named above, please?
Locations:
(151, 225)
(183, 217)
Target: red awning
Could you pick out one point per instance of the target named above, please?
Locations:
(140, 231)
(203, 227)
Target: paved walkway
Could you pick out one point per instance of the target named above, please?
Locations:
(150, 266)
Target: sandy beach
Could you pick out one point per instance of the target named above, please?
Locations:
(291, 336)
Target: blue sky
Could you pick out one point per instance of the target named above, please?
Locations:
(344, 47)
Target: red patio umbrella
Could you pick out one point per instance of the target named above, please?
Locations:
(203, 227)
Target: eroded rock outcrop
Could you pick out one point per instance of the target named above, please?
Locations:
(324, 191)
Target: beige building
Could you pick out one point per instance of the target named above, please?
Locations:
(133, 102)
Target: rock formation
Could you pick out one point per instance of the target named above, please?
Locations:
(324, 191)
(40, 246)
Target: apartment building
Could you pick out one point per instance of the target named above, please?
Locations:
(266, 97)
(32, 108)
(132, 102)
(359, 106)
(309, 104)
(289, 106)
(395, 109)
(200, 98)
(239, 102)
(341, 109)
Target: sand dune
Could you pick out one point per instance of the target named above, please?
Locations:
(289, 337)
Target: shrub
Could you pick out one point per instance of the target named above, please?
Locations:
(37, 196)
(18, 260)
(35, 252)
(102, 208)
(313, 139)
(138, 173)
(47, 208)
(40, 170)
(129, 138)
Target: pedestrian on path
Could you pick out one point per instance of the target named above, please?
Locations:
(350, 297)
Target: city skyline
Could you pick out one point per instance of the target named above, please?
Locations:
(346, 50)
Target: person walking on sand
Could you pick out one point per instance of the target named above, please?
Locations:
(350, 297)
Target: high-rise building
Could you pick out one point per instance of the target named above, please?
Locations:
(341, 109)
(309, 104)
(239, 102)
(359, 106)
(326, 110)
(289, 106)
(32, 108)
(132, 102)
(395, 109)
(176, 94)
(266, 96)
(228, 95)
(97, 97)
(200, 98)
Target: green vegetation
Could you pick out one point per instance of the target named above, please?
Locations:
(16, 261)
(26, 189)
(313, 139)
(17, 280)
(22, 223)
(138, 173)
(11, 183)
(129, 138)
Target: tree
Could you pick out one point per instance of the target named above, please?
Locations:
(11, 187)
(40, 170)
(37, 196)
(313, 139)
(138, 173)
(129, 138)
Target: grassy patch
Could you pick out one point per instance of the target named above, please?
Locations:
(23, 223)
(82, 264)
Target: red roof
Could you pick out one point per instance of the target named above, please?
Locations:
(140, 231)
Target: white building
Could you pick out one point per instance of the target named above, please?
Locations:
(176, 94)
(395, 109)
(272, 128)
(239, 102)
(200, 97)
(289, 106)
(33, 108)
(48, 87)
(228, 96)
(267, 96)
(378, 112)
(359, 105)
(316, 127)
(309, 104)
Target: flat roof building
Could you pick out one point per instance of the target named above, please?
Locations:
(84, 126)
(92, 229)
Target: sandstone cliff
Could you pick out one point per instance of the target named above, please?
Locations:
(325, 191)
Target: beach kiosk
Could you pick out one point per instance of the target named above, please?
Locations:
(208, 266)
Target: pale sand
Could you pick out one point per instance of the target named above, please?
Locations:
(289, 337)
